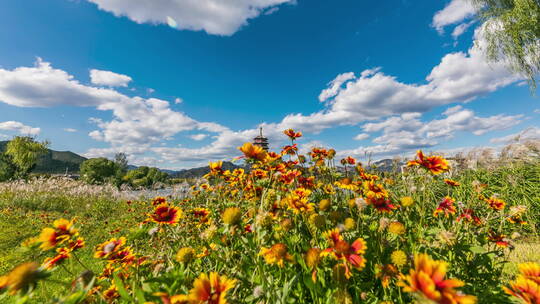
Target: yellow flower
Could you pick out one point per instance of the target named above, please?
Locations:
(185, 255)
(22, 278)
(349, 224)
(277, 254)
(232, 216)
(210, 289)
(253, 152)
(427, 279)
(313, 256)
(396, 228)
(407, 201)
(324, 204)
(399, 258)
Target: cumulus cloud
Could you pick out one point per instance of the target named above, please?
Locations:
(19, 127)
(455, 12)
(108, 78)
(216, 17)
(44, 86)
(529, 133)
(407, 132)
(198, 137)
(459, 77)
(361, 136)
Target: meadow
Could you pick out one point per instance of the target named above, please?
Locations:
(294, 229)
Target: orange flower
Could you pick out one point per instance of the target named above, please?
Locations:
(22, 278)
(62, 232)
(452, 183)
(298, 201)
(165, 214)
(292, 135)
(373, 190)
(435, 164)
(291, 150)
(277, 254)
(495, 203)
(446, 206)
(526, 286)
(348, 161)
(385, 273)
(427, 279)
(63, 254)
(210, 289)
(253, 152)
(350, 254)
(499, 239)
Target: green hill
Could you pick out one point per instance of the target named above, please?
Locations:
(55, 161)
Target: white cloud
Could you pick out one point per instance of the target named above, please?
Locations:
(218, 17)
(460, 29)
(44, 86)
(19, 127)
(108, 78)
(459, 77)
(529, 133)
(70, 130)
(361, 136)
(455, 12)
(407, 132)
(335, 85)
(198, 137)
(178, 100)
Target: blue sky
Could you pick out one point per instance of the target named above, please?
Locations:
(178, 83)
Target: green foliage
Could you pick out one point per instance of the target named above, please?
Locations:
(100, 171)
(145, 177)
(24, 152)
(512, 29)
(7, 168)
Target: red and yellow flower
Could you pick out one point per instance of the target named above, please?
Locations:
(434, 164)
(452, 183)
(210, 289)
(495, 203)
(427, 279)
(526, 287)
(446, 206)
(165, 214)
(349, 254)
(62, 231)
(292, 134)
(382, 204)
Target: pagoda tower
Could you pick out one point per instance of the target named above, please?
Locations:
(261, 141)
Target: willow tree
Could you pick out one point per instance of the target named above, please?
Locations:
(24, 152)
(512, 32)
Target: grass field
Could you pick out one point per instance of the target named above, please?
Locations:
(282, 233)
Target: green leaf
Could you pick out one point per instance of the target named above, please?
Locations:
(121, 288)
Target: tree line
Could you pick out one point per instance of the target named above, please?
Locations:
(22, 153)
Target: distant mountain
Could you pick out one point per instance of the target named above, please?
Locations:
(198, 172)
(55, 162)
(386, 165)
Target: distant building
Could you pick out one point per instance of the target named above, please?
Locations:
(261, 141)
